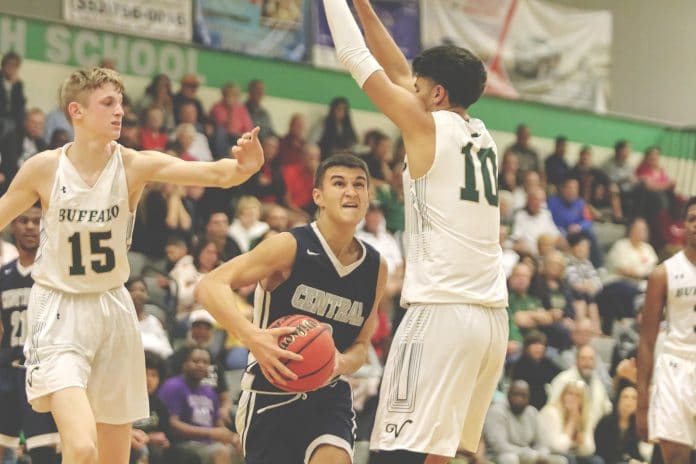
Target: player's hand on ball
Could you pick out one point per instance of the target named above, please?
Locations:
(248, 152)
(264, 346)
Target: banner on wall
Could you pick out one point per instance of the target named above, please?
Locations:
(400, 18)
(533, 49)
(163, 19)
(269, 28)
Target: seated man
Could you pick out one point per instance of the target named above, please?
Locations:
(512, 430)
(194, 411)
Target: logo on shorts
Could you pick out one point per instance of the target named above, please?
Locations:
(396, 430)
(31, 374)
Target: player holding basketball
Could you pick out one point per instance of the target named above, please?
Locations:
(84, 356)
(15, 284)
(320, 270)
(671, 415)
(448, 353)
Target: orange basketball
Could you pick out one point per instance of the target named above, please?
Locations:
(314, 342)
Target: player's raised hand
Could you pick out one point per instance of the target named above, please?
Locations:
(248, 151)
(263, 344)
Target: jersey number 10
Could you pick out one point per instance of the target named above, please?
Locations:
(489, 163)
(95, 241)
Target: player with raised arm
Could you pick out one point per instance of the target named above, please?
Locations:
(668, 414)
(320, 270)
(448, 353)
(84, 356)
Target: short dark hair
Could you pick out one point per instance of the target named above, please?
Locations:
(561, 139)
(343, 159)
(535, 336)
(133, 280)
(11, 55)
(574, 239)
(689, 204)
(458, 70)
(156, 362)
(620, 145)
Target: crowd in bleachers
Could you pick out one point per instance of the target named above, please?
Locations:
(578, 244)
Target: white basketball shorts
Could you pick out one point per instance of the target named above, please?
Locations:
(91, 341)
(672, 412)
(441, 373)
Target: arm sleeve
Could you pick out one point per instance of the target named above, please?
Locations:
(350, 45)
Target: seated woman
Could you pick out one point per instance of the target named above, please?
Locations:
(615, 436)
(564, 424)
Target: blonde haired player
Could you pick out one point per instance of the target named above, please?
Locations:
(85, 361)
(448, 353)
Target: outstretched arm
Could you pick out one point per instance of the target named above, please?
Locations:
(224, 173)
(383, 46)
(652, 312)
(397, 103)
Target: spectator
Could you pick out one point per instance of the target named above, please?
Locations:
(20, 145)
(299, 180)
(584, 281)
(130, 132)
(373, 232)
(56, 120)
(533, 221)
(512, 430)
(276, 217)
(535, 368)
(290, 150)
(216, 231)
(188, 94)
(199, 149)
(527, 155)
(184, 137)
(338, 135)
(194, 411)
(154, 337)
(596, 396)
(632, 258)
(510, 256)
(247, 226)
(259, 115)
(530, 181)
(230, 114)
(159, 93)
(621, 174)
(571, 215)
(510, 175)
(552, 288)
(616, 438)
(267, 184)
(379, 158)
(527, 312)
(655, 194)
(193, 202)
(12, 99)
(555, 166)
(59, 138)
(390, 196)
(595, 187)
(581, 335)
(152, 137)
(564, 422)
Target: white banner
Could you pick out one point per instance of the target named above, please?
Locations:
(162, 19)
(533, 49)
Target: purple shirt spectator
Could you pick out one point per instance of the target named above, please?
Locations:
(195, 406)
(567, 208)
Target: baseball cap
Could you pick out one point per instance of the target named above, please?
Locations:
(190, 79)
(201, 315)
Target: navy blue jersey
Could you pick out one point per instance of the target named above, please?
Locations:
(321, 287)
(14, 297)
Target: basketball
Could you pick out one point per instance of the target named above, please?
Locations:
(314, 342)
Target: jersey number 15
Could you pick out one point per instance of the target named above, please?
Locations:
(489, 173)
(105, 263)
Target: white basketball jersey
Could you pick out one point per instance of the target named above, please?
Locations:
(86, 232)
(452, 245)
(681, 304)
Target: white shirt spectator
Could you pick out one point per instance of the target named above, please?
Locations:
(243, 236)
(528, 228)
(623, 255)
(154, 337)
(200, 148)
(386, 244)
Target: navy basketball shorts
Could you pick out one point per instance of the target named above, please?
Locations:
(17, 415)
(288, 429)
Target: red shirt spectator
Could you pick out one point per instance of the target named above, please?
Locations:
(229, 113)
